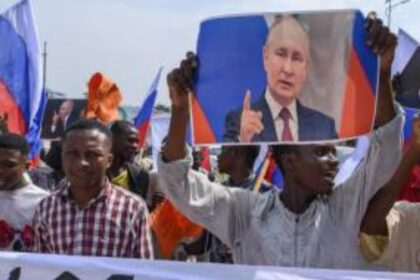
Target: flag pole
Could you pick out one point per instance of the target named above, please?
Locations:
(260, 178)
(44, 69)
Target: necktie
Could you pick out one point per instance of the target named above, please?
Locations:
(287, 133)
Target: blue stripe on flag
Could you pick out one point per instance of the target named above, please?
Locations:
(146, 109)
(21, 68)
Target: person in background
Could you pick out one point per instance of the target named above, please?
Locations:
(124, 171)
(18, 196)
(389, 230)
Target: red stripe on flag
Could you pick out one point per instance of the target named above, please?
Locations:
(15, 121)
(359, 101)
(203, 134)
(142, 131)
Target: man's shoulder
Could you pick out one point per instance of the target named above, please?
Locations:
(128, 197)
(305, 111)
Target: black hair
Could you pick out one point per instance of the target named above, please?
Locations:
(280, 150)
(251, 154)
(11, 141)
(88, 124)
(121, 126)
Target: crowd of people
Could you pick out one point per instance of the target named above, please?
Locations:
(98, 200)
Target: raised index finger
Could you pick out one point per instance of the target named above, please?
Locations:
(247, 101)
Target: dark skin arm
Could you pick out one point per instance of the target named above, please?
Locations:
(382, 42)
(374, 221)
(180, 83)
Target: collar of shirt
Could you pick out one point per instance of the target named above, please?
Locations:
(64, 193)
(275, 109)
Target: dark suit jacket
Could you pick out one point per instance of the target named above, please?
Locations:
(59, 130)
(313, 125)
(409, 99)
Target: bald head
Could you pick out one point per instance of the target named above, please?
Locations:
(289, 27)
(286, 59)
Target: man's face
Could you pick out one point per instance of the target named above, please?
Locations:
(126, 145)
(86, 156)
(315, 167)
(12, 167)
(286, 60)
(65, 109)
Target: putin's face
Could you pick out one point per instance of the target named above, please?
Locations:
(286, 60)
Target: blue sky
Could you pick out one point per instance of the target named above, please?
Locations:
(130, 39)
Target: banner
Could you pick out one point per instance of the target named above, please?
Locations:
(14, 266)
(270, 78)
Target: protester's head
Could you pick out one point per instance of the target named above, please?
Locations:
(286, 59)
(125, 139)
(232, 156)
(86, 153)
(65, 109)
(13, 161)
(311, 167)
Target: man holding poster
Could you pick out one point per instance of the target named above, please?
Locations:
(278, 115)
(311, 222)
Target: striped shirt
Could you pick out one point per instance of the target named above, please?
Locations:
(113, 224)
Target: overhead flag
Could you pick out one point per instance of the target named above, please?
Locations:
(22, 94)
(142, 120)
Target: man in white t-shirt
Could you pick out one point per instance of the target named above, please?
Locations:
(19, 197)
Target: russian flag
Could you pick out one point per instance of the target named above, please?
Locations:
(142, 120)
(21, 88)
(266, 167)
(358, 111)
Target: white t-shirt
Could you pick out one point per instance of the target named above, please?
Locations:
(17, 209)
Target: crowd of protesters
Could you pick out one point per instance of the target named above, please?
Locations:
(96, 199)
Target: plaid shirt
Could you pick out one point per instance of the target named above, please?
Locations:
(113, 224)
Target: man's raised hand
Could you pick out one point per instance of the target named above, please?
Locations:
(381, 40)
(181, 80)
(251, 121)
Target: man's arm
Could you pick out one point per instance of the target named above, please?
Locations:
(382, 42)
(144, 248)
(384, 150)
(374, 221)
(223, 211)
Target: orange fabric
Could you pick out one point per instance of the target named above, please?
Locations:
(171, 227)
(104, 97)
(203, 133)
(359, 101)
